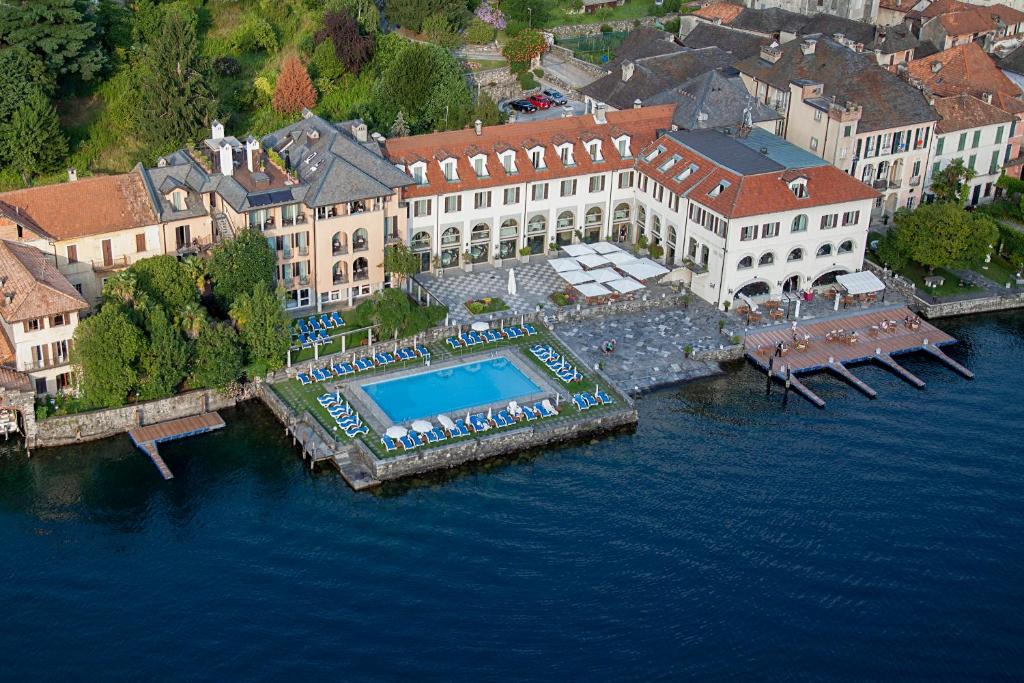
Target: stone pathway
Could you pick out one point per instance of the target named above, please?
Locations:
(535, 282)
(649, 345)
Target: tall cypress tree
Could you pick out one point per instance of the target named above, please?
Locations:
(172, 73)
(32, 141)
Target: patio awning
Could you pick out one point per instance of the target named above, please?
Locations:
(615, 258)
(577, 249)
(561, 265)
(577, 277)
(605, 248)
(863, 282)
(604, 275)
(592, 289)
(643, 269)
(592, 260)
(625, 285)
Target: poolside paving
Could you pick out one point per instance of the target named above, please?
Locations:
(535, 282)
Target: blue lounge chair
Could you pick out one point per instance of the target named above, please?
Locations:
(363, 364)
(506, 418)
(353, 432)
(429, 436)
(408, 442)
(422, 351)
(591, 401)
(322, 337)
(326, 322)
(305, 342)
(342, 369)
(338, 320)
(438, 434)
(313, 324)
(467, 340)
(304, 378)
(492, 335)
(530, 329)
(581, 403)
(388, 357)
(544, 412)
(316, 375)
(478, 422)
(389, 443)
(303, 328)
(460, 429)
(327, 400)
(530, 413)
(603, 397)
(454, 343)
(406, 354)
(380, 359)
(348, 421)
(337, 412)
(475, 336)
(538, 348)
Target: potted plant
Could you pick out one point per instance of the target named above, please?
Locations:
(553, 247)
(721, 326)
(656, 251)
(435, 264)
(524, 254)
(467, 261)
(641, 244)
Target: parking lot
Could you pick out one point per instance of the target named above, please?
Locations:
(573, 107)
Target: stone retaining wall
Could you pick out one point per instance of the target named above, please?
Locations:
(503, 442)
(969, 306)
(499, 84)
(574, 30)
(732, 352)
(581, 64)
(101, 424)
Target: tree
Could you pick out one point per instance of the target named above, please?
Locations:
(217, 358)
(106, 349)
(939, 236)
(294, 91)
(262, 326)
(524, 47)
(420, 80)
(486, 111)
(479, 32)
(390, 309)
(399, 260)
(240, 265)
(951, 184)
(59, 32)
(166, 282)
(164, 358)
(191, 320)
(352, 47)
(411, 14)
(172, 73)
(439, 30)
(399, 129)
(450, 103)
(21, 74)
(122, 289)
(32, 141)
(364, 11)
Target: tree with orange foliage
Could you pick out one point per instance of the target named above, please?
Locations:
(294, 90)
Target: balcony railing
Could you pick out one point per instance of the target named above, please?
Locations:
(915, 181)
(112, 263)
(360, 245)
(303, 251)
(361, 275)
(339, 249)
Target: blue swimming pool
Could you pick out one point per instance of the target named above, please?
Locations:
(450, 390)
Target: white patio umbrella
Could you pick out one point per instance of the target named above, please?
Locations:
(488, 414)
(421, 426)
(512, 289)
(396, 432)
(446, 422)
(479, 326)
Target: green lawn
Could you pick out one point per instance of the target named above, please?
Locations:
(999, 271)
(304, 398)
(487, 305)
(483, 64)
(917, 273)
(633, 9)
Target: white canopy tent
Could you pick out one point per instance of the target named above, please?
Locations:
(578, 249)
(592, 289)
(617, 257)
(592, 260)
(625, 285)
(577, 277)
(864, 282)
(643, 269)
(605, 248)
(561, 265)
(603, 275)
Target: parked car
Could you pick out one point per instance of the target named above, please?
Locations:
(539, 101)
(555, 97)
(522, 105)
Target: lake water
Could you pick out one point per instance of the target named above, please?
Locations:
(726, 538)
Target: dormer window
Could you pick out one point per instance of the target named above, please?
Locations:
(565, 154)
(177, 199)
(508, 162)
(622, 145)
(450, 173)
(686, 172)
(719, 188)
(654, 153)
(799, 188)
(537, 157)
(594, 150)
(669, 163)
(418, 171)
(480, 165)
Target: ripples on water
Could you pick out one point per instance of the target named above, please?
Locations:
(726, 538)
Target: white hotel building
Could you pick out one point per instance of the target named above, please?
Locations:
(743, 211)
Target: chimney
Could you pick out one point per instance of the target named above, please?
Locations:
(252, 149)
(986, 97)
(359, 130)
(599, 116)
(478, 125)
(627, 70)
(72, 175)
(936, 67)
(771, 53)
(306, 113)
(217, 130)
(377, 137)
(839, 38)
(637, 103)
(227, 163)
(9, 298)
(807, 46)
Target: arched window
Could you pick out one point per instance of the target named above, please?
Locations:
(795, 255)
(621, 213)
(671, 234)
(641, 216)
(766, 259)
(360, 269)
(421, 241)
(340, 272)
(656, 226)
(845, 247)
(339, 244)
(537, 224)
(799, 223)
(481, 233)
(868, 174)
(509, 228)
(360, 240)
(825, 250)
(594, 216)
(450, 236)
(745, 262)
(566, 221)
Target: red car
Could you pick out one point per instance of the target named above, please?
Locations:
(539, 101)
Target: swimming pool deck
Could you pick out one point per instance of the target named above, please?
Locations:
(873, 343)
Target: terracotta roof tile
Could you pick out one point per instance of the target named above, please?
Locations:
(89, 206)
(964, 68)
(35, 286)
(722, 11)
(967, 111)
(967, 22)
(14, 380)
(641, 124)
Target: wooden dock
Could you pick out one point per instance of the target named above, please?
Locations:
(880, 335)
(147, 437)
